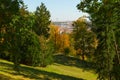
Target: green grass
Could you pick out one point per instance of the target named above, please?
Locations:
(56, 71)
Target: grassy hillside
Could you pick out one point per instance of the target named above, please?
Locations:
(64, 68)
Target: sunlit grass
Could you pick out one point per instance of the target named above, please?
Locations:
(70, 71)
(52, 72)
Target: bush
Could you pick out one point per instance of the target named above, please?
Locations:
(66, 50)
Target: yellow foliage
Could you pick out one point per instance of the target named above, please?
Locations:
(61, 40)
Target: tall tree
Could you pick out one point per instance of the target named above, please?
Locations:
(61, 40)
(55, 36)
(46, 51)
(104, 17)
(8, 8)
(84, 38)
(24, 45)
(42, 21)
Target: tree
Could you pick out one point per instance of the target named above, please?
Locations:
(55, 36)
(46, 51)
(84, 38)
(61, 40)
(8, 8)
(104, 17)
(23, 44)
(65, 43)
(42, 21)
(65, 40)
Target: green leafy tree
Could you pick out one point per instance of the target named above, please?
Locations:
(21, 41)
(104, 17)
(84, 38)
(8, 8)
(24, 44)
(42, 21)
(61, 41)
(46, 51)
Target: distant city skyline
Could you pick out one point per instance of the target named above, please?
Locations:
(60, 10)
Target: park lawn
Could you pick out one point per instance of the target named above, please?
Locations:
(55, 71)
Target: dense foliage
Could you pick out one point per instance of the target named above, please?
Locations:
(61, 40)
(104, 16)
(7, 10)
(42, 21)
(19, 40)
(28, 38)
(85, 40)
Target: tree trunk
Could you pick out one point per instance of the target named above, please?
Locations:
(116, 48)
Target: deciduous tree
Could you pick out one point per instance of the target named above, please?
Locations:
(84, 38)
(61, 40)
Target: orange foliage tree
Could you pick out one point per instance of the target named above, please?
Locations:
(61, 40)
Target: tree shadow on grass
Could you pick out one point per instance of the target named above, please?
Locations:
(37, 74)
(3, 77)
(72, 61)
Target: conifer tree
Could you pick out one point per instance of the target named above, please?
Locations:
(42, 21)
(46, 51)
(104, 17)
(8, 8)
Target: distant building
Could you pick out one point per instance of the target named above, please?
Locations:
(65, 26)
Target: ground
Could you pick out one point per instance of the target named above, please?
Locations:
(64, 68)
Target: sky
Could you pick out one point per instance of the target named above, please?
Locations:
(60, 10)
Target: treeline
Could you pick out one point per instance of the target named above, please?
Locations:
(31, 38)
(24, 36)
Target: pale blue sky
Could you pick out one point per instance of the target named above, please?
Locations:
(61, 10)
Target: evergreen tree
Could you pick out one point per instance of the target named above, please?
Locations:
(46, 51)
(42, 21)
(8, 8)
(104, 17)
(24, 44)
(41, 28)
(17, 33)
